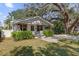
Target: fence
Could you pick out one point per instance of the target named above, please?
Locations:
(7, 33)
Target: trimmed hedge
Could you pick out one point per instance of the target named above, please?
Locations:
(21, 35)
(48, 33)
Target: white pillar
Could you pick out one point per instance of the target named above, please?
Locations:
(28, 26)
(35, 28)
(43, 27)
(18, 27)
(15, 27)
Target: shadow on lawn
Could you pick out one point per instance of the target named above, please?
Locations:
(23, 51)
(53, 49)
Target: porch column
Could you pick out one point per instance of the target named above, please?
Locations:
(18, 27)
(28, 26)
(35, 28)
(43, 27)
(15, 28)
(22, 26)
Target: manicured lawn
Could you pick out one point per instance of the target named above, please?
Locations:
(9, 44)
(62, 48)
(68, 48)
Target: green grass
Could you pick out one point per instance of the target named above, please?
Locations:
(8, 44)
(39, 47)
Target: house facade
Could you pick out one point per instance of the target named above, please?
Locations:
(34, 24)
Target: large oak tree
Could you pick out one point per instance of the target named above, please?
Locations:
(69, 27)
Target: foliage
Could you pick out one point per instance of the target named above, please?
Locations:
(0, 33)
(74, 33)
(46, 11)
(48, 32)
(7, 23)
(68, 21)
(18, 14)
(21, 35)
(58, 27)
(23, 51)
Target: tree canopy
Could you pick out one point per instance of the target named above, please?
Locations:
(68, 12)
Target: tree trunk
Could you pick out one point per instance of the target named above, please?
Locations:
(66, 20)
(70, 29)
(65, 14)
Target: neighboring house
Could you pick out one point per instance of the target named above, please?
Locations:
(35, 24)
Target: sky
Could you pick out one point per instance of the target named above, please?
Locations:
(5, 8)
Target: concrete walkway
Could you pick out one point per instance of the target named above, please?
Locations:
(66, 36)
(49, 39)
(56, 38)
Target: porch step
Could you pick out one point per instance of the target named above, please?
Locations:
(38, 34)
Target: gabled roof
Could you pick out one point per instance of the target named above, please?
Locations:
(32, 19)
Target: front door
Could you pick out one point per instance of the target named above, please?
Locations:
(38, 29)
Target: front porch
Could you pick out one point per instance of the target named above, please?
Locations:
(35, 28)
(34, 24)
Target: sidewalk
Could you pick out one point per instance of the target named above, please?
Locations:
(56, 38)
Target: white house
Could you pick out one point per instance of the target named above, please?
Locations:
(35, 24)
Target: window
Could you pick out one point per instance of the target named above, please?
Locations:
(41, 27)
(20, 27)
(32, 28)
(23, 26)
(47, 27)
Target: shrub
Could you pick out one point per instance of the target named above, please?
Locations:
(48, 33)
(58, 27)
(21, 35)
(0, 33)
(75, 33)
